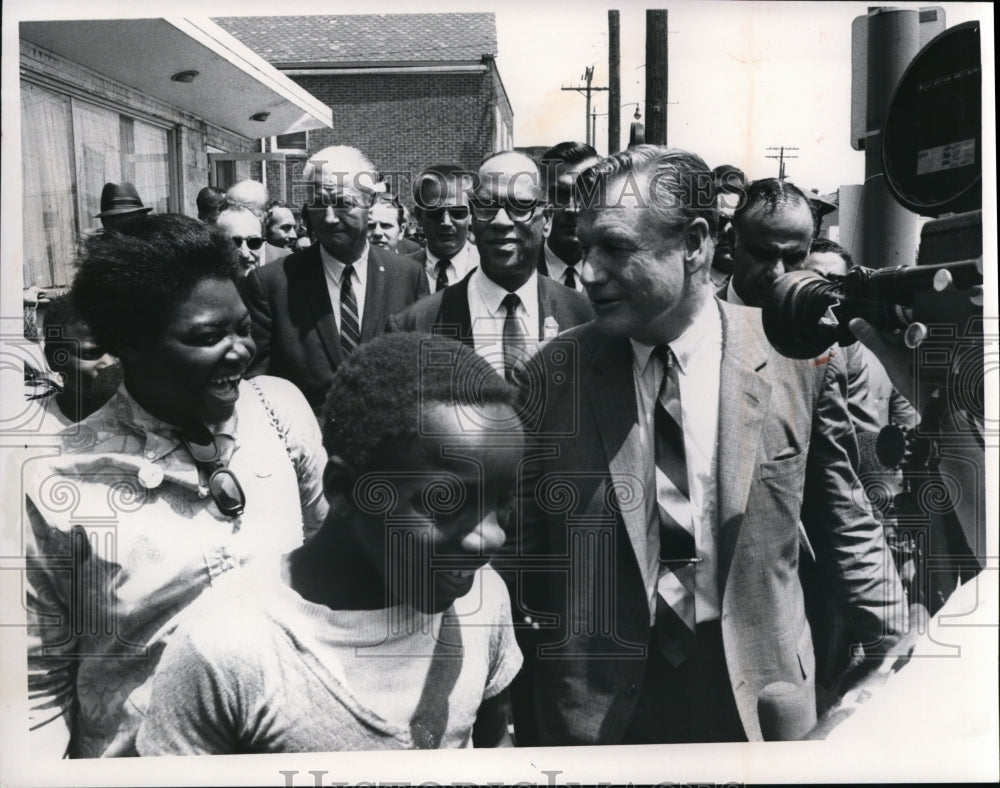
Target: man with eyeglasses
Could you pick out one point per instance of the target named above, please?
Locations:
(503, 308)
(314, 307)
(243, 228)
(441, 207)
(561, 257)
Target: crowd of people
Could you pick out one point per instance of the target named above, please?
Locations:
(541, 480)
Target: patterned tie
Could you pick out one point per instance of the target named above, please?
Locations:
(570, 279)
(675, 613)
(442, 273)
(350, 332)
(514, 346)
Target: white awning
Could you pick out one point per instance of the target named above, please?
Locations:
(233, 82)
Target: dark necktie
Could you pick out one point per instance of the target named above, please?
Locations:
(514, 346)
(675, 611)
(570, 279)
(350, 331)
(442, 273)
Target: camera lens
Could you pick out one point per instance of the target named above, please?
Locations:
(795, 314)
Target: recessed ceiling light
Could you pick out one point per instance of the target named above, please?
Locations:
(260, 117)
(184, 76)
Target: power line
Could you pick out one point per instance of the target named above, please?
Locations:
(781, 156)
(586, 90)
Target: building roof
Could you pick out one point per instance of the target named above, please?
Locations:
(369, 39)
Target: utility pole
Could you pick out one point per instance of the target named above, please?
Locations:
(781, 156)
(586, 90)
(614, 83)
(656, 77)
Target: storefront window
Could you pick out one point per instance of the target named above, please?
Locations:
(70, 149)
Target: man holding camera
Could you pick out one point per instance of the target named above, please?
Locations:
(673, 451)
(773, 234)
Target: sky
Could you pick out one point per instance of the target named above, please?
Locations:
(742, 77)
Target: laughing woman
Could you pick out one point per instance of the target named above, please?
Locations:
(188, 472)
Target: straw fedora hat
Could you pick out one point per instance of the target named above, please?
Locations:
(119, 198)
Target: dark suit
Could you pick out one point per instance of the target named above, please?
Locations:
(543, 266)
(446, 312)
(293, 322)
(784, 446)
(407, 247)
(272, 252)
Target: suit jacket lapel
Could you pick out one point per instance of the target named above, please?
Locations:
(373, 319)
(318, 295)
(454, 311)
(549, 305)
(611, 391)
(744, 396)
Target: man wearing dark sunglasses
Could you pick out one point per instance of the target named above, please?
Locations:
(503, 308)
(441, 207)
(243, 228)
(311, 309)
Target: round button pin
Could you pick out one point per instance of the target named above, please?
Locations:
(150, 476)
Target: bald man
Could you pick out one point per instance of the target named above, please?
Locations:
(249, 194)
(503, 309)
(313, 308)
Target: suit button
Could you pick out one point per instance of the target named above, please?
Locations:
(632, 690)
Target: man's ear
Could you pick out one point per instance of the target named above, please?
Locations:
(697, 241)
(338, 480)
(547, 213)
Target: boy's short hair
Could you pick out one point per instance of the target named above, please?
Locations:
(377, 394)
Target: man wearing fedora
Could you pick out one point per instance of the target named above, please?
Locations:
(119, 203)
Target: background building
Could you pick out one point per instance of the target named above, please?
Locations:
(138, 100)
(407, 89)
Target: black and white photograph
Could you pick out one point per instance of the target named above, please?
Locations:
(602, 392)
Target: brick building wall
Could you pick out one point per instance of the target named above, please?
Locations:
(403, 122)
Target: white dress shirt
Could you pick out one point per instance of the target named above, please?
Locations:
(459, 267)
(557, 268)
(699, 360)
(488, 314)
(732, 297)
(333, 269)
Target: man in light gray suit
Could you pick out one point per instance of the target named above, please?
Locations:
(673, 452)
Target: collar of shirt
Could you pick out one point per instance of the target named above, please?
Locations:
(706, 327)
(461, 263)
(491, 296)
(557, 268)
(732, 297)
(335, 268)
(160, 437)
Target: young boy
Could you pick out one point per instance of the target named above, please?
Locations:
(387, 630)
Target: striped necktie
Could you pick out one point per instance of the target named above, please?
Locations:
(514, 345)
(442, 274)
(350, 331)
(675, 612)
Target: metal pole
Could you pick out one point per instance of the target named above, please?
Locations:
(890, 231)
(614, 83)
(589, 73)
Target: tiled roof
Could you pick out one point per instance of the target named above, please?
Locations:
(365, 39)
